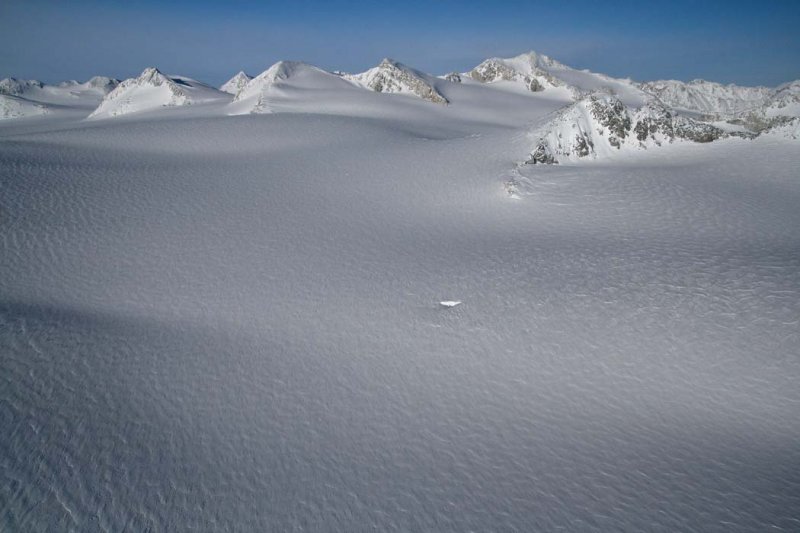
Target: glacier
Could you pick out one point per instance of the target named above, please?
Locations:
(312, 305)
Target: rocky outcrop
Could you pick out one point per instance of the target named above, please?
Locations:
(530, 70)
(391, 76)
(613, 116)
(600, 125)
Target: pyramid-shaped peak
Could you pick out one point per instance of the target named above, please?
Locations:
(391, 76)
(235, 84)
(393, 64)
(277, 74)
(152, 75)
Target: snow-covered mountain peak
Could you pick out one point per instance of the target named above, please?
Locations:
(528, 61)
(15, 87)
(707, 97)
(283, 70)
(277, 73)
(153, 89)
(783, 102)
(524, 69)
(99, 84)
(283, 79)
(235, 84)
(537, 72)
(391, 76)
(151, 75)
(601, 125)
(100, 81)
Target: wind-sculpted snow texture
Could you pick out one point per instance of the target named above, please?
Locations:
(335, 317)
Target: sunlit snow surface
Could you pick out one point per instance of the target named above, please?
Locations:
(233, 323)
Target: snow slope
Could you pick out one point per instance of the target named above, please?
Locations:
(153, 90)
(234, 323)
(16, 107)
(255, 96)
(785, 101)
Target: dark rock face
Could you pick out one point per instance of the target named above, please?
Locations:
(454, 77)
(490, 71)
(493, 70)
(583, 145)
(600, 121)
(541, 155)
(656, 120)
(533, 84)
(392, 76)
(696, 131)
(759, 123)
(612, 115)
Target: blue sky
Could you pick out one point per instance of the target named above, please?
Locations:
(735, 41)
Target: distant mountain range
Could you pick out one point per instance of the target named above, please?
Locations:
(599, 113)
